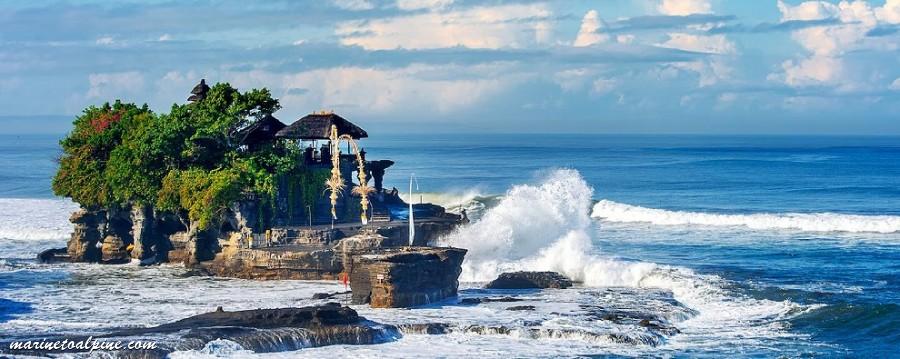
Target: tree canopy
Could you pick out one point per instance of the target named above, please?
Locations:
(188, 160)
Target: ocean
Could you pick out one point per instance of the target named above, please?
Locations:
(751, 246)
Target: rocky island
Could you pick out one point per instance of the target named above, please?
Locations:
(223, 186)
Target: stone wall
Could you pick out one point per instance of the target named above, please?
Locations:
(277, 263)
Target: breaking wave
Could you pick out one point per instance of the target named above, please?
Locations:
(811, 222)
(28, 219)
(546, 227)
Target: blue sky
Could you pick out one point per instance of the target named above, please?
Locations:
(606, 66)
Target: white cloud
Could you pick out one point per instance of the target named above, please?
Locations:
(423, 4)
(855, 20)
(684, 7)
(416, 88)
(108, 86)
(355, 5)
(809, 10)
(510, 26)
(827, 44)
(589, 33)
(710, 44)
(812, 71)
(890, 12)
(895, 85)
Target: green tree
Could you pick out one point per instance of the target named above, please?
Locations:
(187, 160)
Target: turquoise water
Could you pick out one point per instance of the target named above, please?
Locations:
(809, 221)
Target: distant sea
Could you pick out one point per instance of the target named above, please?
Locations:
(752, 246)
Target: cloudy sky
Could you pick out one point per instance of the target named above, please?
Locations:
(606, 66)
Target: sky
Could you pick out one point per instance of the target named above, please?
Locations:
(464, 66)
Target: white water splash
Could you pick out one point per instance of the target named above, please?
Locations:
(546, 227)
(219, 348)
(35, 218)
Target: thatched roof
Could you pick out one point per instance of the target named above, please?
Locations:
(199, 91)
(317, 126)
(260, 131)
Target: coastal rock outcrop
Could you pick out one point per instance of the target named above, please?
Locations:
(259, 330)
(82, 246)
(289, 262)
(405, 277)
(528, 280)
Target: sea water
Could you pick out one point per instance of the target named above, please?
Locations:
(752, 246)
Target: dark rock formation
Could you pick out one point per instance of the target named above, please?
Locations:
(54, 255)
(526, 280)
(424, 328)
(328, 295)
(314, 317)
(521, 308)
(405, 277)
(260, 330)
(117, 239)
(473, 301)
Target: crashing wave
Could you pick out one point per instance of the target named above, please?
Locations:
(811, 222)
(29, 219)
(546, 227)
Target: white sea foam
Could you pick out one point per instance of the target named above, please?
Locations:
(219, 348)
(811, 222)
(29, 219)
(547, 226)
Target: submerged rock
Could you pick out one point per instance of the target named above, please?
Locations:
(474, 301)
(528, 280)
(521, 308)
(54, 255)
(405, 277)
(320, 296)
(424, 328)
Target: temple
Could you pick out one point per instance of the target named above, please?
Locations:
(303, 204)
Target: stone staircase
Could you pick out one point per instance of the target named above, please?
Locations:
(380, 214)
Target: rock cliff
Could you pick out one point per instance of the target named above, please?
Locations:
(405, 277)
